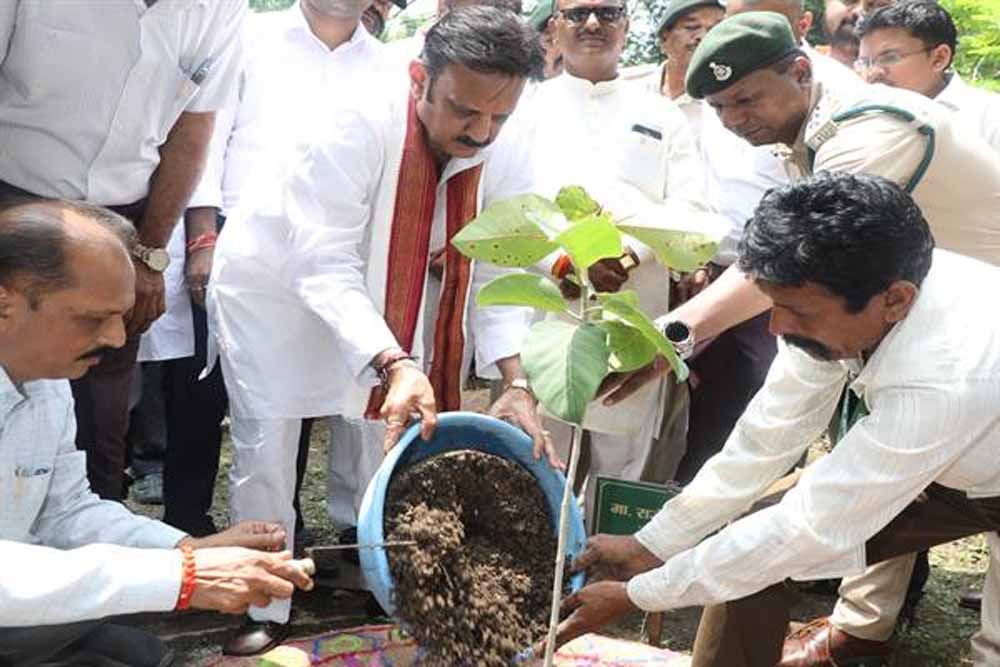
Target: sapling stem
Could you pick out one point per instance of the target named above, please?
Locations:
(567, 499)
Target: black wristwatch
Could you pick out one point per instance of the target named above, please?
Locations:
(681, 336)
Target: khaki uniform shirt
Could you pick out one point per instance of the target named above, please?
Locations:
(959, 189)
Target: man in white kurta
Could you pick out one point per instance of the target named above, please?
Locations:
(301, 281)
(304, 60)
(632, 150)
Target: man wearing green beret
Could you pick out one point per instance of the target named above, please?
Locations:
(752, 72)
(542, 19)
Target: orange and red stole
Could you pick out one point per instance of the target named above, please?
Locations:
(408, 254)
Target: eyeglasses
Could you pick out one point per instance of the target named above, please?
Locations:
(580, 15)
(884, 60)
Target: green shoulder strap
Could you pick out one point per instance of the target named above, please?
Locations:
(905, 115)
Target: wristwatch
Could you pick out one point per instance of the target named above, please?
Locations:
(155, 259)
(520, 383)
(681, 337)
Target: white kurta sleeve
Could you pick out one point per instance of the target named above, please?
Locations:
(45, 586)
(793, 407)
(209, 190)
(820, 528)
(73, 516)
(326, 207)
(499, 331)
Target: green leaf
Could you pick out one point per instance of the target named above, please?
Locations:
(516, 232)
(624, 308)
(575, 203)
(565, 364)
(630, 349)
(682, 251)
(590, 240)
(522, 289)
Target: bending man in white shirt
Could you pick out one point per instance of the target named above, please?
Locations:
(319, 296)
(862, 301)
(66, 284)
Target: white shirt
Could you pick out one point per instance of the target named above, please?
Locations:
(650, 78)
(297, 290)
(289, 83)
(932, 388)
(632, 150)
(56, 537)
(979, 109)
(89, 93)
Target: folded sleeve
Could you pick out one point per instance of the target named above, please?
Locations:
(223, 59)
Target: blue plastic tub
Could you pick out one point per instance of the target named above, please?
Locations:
(457, 430)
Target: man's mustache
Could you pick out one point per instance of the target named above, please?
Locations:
(812, 347)
(472, 143)
(96, 353)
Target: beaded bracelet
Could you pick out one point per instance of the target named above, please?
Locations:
(187, 578)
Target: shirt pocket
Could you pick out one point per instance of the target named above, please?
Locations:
(641, 162)
(23, 492)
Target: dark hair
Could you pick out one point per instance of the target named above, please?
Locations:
(486, 39)
(851, 234)
(515, 6)
(34, 239)
(926, 20)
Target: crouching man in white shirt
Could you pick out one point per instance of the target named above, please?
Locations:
(70, 558)
(860, 300)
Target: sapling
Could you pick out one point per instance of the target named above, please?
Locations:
(567, 358)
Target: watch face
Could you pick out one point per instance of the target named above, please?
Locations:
(677, 332)
(158, 259)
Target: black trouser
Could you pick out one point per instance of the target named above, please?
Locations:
(194, 413)
(726, 375)
(90, 643)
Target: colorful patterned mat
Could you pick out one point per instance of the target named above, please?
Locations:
(388, 646)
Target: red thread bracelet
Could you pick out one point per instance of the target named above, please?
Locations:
(206, 240)
(562, 266)
(187, 578)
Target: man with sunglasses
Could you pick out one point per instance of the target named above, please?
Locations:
(632, 150)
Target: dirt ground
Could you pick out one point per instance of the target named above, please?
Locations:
(939, 638)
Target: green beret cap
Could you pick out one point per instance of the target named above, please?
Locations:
(737, 46)
(543, 12)
(678, 8)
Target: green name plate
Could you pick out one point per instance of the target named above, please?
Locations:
(622, 507)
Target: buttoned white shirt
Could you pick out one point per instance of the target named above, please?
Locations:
(979, 109)
(932, 388)
(68, 555)
(89, 92)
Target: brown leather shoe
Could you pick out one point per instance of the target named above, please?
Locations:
(820, 644)
(255, 637)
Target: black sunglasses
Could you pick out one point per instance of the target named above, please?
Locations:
(580, 15)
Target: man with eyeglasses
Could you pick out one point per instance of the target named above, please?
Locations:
(632, 151)
(760, 84)
(912, 45)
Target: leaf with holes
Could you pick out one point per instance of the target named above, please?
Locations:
(681, 251)
(516, 232)
(591, 239)
(565, 364)
(575, 203)
(624, 308)
(522, 289)
(630, 349)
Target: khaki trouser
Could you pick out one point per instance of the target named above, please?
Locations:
(870, 602)
(750, 632)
